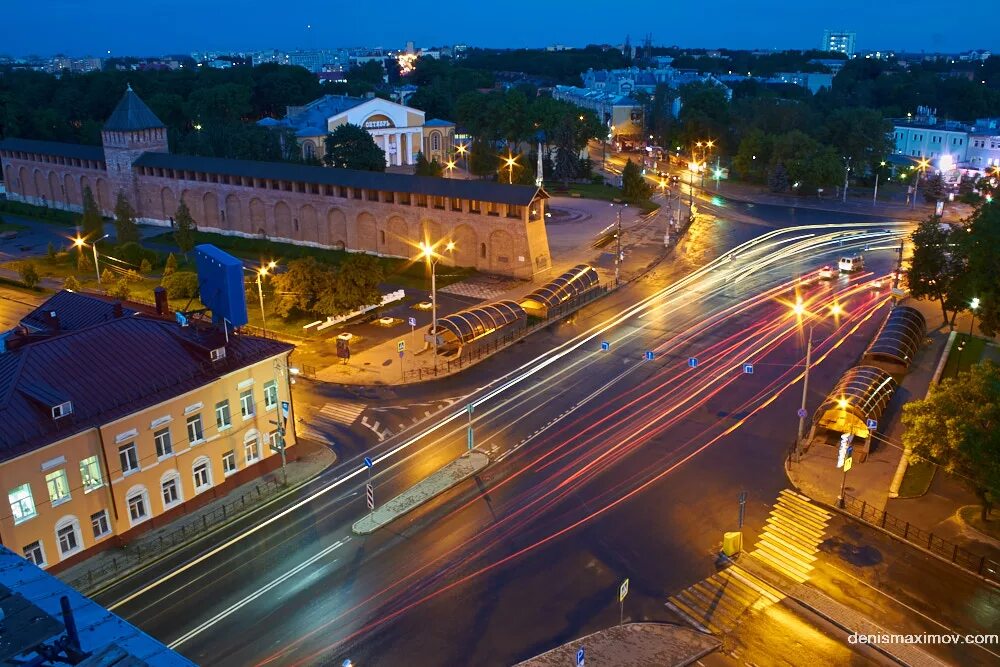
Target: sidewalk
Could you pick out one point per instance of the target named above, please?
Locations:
(631, 645)
(104, 567)
(815, 474)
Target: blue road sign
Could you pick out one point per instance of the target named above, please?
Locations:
(649, 355)
(413, 321)
(850, 450)
(368, 462)
(605, 345)
(802, 413)
(872, 424)
(693, 362)
(748, 369)
(579, 657)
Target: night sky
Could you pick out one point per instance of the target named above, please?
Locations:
(151, 27)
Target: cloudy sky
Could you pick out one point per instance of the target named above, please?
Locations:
(149, 27)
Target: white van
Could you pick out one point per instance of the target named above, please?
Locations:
(851, 264)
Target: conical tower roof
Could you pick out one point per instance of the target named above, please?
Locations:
(132, 114)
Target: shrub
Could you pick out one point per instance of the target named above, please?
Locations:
(145, 268)
(83, 263)
(50, 252)
(71, 283)
(171, 265)
(120, 290)
(183, 285)
(132, 276)
(107, 277)
(28, 274)
(135, 254)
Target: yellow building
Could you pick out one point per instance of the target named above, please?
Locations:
(113, 422)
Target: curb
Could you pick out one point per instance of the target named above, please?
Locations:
(103, 586)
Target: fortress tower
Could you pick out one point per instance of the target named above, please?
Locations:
(132, 129)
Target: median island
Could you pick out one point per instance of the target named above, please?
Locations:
(430, 487)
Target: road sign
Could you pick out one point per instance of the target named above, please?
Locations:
(649, 355)
(412, 321)
(579, 657)
(400, 346)
(370, 496)
(693, 362)
(872, 424)
(842, 451)
(285, 407)
(605, 345)
(623, 591)
(748, 369)
(368, 462)
(847, 463)
(802, 413)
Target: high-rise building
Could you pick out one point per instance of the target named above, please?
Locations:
(841, 42)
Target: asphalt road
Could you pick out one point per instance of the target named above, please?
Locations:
(606, 467)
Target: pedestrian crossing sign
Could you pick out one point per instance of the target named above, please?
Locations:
(623, 591)
(847, 463)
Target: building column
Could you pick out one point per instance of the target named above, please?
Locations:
(399, 149)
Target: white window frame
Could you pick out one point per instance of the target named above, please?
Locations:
(87, 468)
(271, 387)
(135, 449)
(25, 516)
(140, 492)
(107, 524)
(55, 476)
(247, 407)
(231, 455)
(191, 421)
(175, 477)
(223, 415)
(159, 439)
(195, 465)
(251, 440)
(41, 550)
(73, 524)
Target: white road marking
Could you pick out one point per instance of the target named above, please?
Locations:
(345, 412)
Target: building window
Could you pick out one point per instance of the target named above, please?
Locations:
(456, 204)
(68, 536)
(223, 419)
(195, 432)
(270, 395)
(21, 503)
(138, 506)
(170, 488)
(33, 552)
(202, 475)
(422, 201)
(90, 471)
(164, 444)
(229, 463)
(482, 250)
(58, 486)
(246, 403)
(99, 522)
(251, 448)
(272, 441)
(474, 206)
(129, 457)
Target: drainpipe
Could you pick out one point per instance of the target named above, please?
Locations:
(107, 472)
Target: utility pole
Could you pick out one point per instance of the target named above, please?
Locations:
(847, 172)
(805, 391)
(280, 421)
(877, 172)
(618, 247)
(899, 270)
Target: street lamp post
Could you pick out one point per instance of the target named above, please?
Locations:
(618, 243)
(847, 173)
(973, 305)
(805, 390)
(260, 273)
(79, 243)
(921, 170)
(877, 172)
(427, 252)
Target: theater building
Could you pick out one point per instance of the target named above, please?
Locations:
(496, 228)
(400, 131)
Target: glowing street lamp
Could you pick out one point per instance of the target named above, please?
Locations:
(450, 166)
(509, 162)
(79, 242)
(427, 252)
(921, 166)
(260, 273)
(799, 310)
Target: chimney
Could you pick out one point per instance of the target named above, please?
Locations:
(160, 297)
(117, 311)
(53, 320)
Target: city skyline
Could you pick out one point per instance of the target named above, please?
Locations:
(98, 28)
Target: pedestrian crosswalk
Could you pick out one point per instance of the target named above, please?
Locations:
(344, 412)
(788, 543)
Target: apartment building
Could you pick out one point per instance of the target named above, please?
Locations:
(113, 422)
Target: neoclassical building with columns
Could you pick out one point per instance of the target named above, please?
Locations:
(496, 228)
(400, 131)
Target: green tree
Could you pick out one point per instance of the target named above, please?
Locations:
(425, 168)
(299, 288)
(170, 266)
(145, 268)
(980, 245)
(567, 155)
(71, 284)
(777, 179)
(958, 427)
(125, 228)
(185, 229)
(483, 160)
(92, 224)
(181, 285)
(933, 188)
(83, 263)
(356, 285)
(753, 156)
(28, 273)
(107, 277)
(934, 271)
(634, 186)
(859, 134)
(120, 290)
(50, 253)
(351, 147)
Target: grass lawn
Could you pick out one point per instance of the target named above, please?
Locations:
(596, 191)
(960, 361)
(917, 479)
(40, 213)
(972, 516)
(10, 226)
(398, 272)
